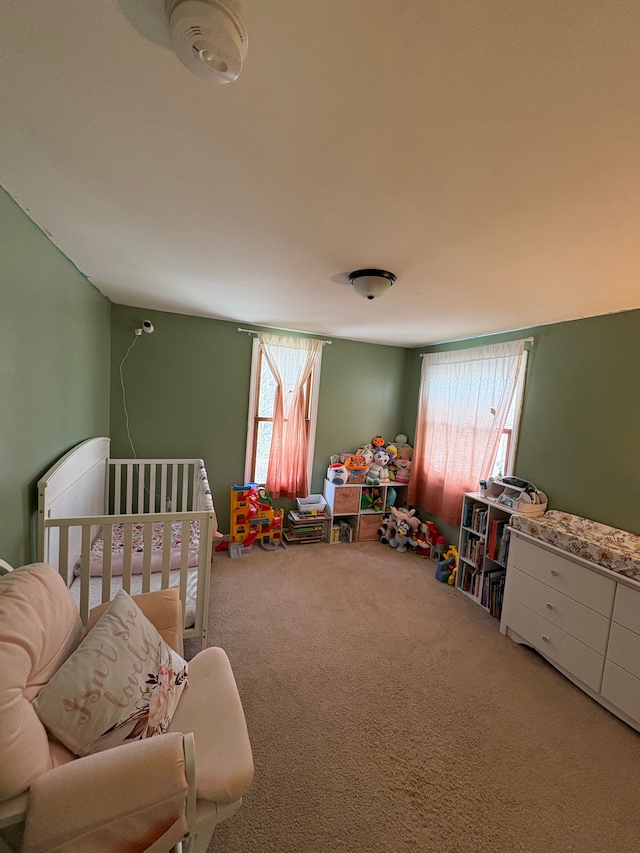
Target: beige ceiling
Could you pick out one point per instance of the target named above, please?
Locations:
(486, 151)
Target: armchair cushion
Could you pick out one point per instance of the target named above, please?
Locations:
(122, 683)
(212, 710)
(39, 628)
(121, 799)
(162, 607)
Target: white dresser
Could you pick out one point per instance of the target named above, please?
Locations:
(584, 619)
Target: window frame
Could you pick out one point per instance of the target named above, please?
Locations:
(312, 398)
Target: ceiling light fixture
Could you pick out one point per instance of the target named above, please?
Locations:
(209, 37)
(371, 284)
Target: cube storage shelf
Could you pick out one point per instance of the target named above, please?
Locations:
(356, 511)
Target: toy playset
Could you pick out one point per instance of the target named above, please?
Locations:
(253, 518)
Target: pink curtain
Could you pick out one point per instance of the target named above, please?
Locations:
(465, 397)
(291, 361)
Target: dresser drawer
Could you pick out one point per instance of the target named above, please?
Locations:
(575, 581)
(624, 649)
(554, 643)
(626, 610)
(621, 689)
(581, 622)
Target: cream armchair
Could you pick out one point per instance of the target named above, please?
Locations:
(153, 792)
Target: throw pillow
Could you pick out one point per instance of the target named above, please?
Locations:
(122, 683)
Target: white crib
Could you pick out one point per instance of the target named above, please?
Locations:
(140, 524)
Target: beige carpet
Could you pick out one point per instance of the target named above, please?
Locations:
(387, 713)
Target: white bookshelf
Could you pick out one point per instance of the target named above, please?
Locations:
(483, 547)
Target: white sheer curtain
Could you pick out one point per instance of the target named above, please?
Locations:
(291, 361)
(465, 397)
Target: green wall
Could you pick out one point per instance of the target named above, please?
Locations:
(54, 369)
(187, 385)
(579, 435)
(187, 393)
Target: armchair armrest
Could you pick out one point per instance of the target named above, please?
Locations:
(141, 791)
(161, 607)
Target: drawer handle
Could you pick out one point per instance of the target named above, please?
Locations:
(546, 639)
(554, 573)
(549, 605)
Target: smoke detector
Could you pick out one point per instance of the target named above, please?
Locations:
(209, 37)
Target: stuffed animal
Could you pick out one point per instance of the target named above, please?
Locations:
(378, 442)
(367, 451)
(386, 529)
(337, 474)
(403, 470)
(402, 537)
(378, 471)
(407, 515)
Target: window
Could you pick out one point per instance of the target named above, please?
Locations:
(506, 455)
(285, 379)
(465, 399)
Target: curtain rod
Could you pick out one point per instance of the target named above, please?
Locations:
(526, 340)
(253, 332)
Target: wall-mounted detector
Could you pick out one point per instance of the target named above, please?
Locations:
(147, 326)
(209, 37)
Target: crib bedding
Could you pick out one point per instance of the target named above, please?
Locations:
(95, 590)
(605, 546)
(137, 547)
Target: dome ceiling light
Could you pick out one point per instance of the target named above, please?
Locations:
(371, 284)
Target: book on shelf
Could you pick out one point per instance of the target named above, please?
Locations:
(343, 530)
(479, 518)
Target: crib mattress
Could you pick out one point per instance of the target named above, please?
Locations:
(606, 546)
(137, 547)
(95, 590)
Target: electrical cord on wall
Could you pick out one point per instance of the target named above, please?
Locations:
(124, 401)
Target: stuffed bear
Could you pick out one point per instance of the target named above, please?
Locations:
(403, 470)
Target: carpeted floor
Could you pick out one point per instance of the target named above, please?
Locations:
(387, 713)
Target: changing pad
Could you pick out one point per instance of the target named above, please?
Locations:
(606, 546)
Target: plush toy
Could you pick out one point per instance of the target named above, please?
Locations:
(392, 496)
(367, 452)
(386, 529)
(407, 515)
(402, 537)
(403, 470)
(378, 442)
(378, 471)
(337, 474)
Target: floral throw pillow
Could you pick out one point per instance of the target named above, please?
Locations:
(122, 683)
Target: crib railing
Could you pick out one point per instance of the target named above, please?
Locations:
(151, 485)
(70, 541)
